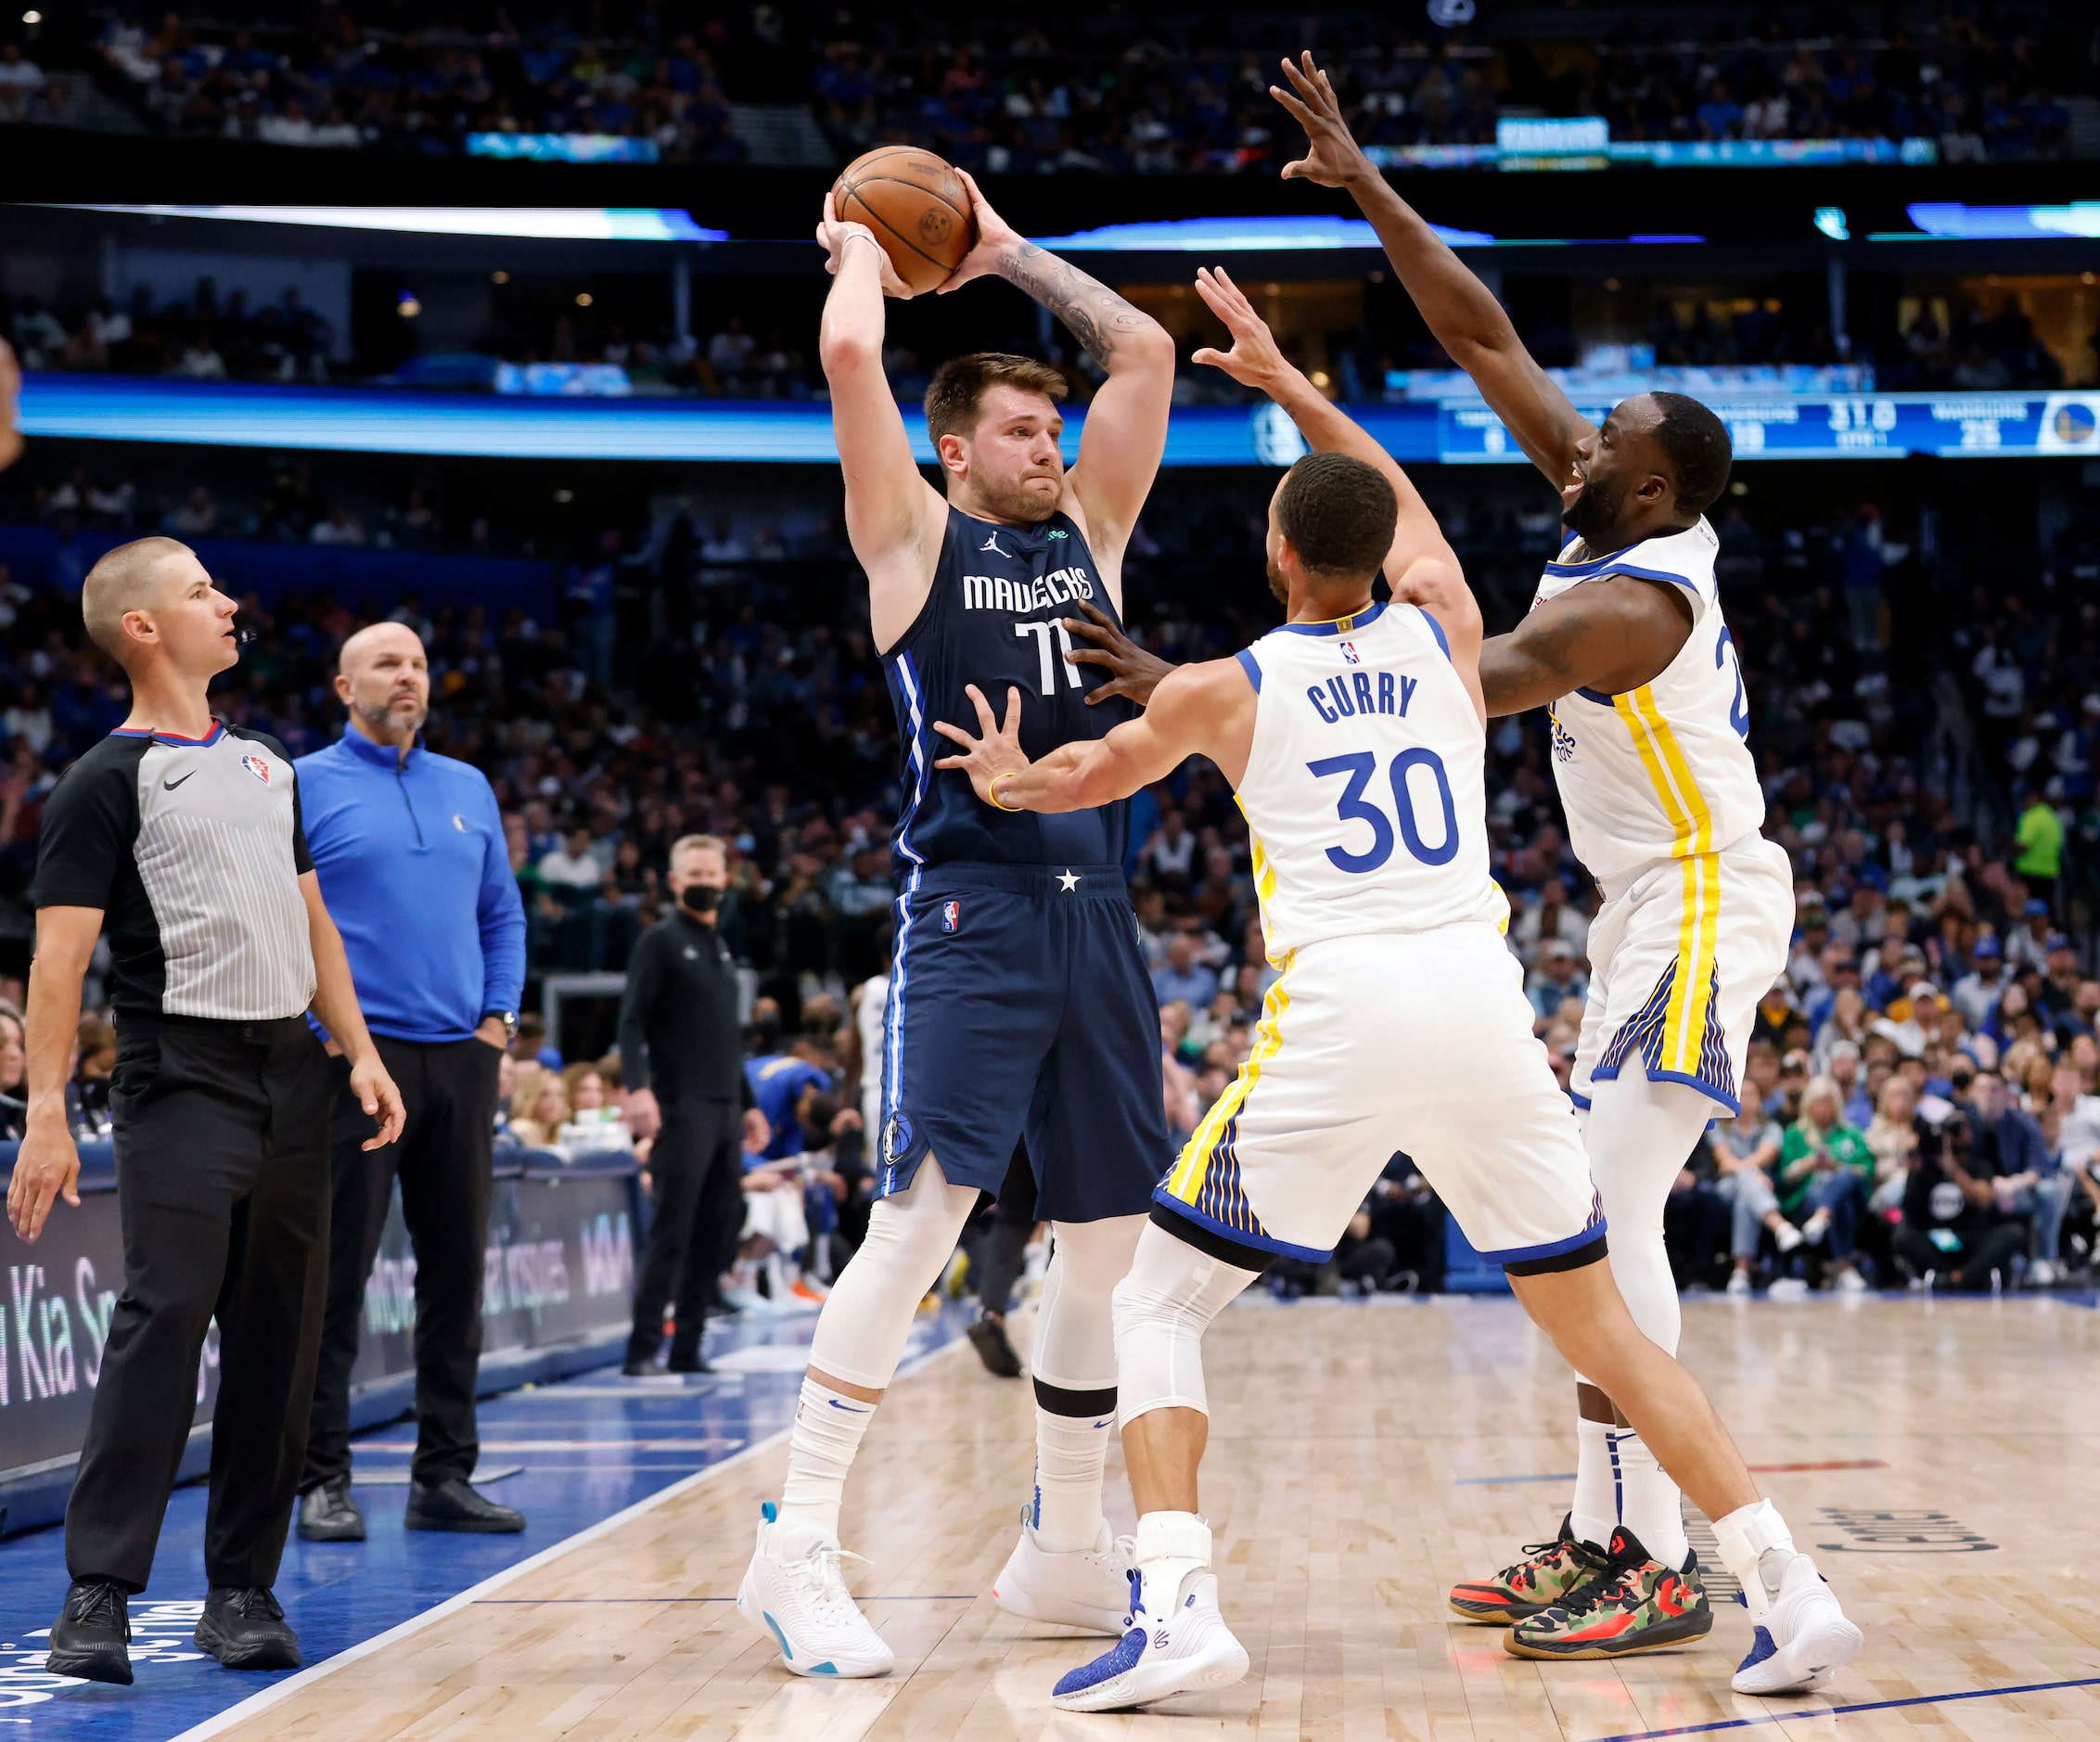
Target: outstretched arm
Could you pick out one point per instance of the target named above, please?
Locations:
(1461, 311)
(890, 510)
(1203, 709)
(1610, 635)
(1126, 425)
(1421, 568)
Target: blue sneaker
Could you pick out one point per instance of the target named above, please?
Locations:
(1185, 1649)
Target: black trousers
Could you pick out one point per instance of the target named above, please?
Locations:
(997, 1239)
(693, 1223)
(442, 1160)
(1978, 1254)
(222, 1138)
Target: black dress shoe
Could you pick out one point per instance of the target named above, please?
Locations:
(327, 1514)
(90, 1637)
(686, 1364)
(243, 1627)
(635, 1367)
(453, 1504)
(988, 1336)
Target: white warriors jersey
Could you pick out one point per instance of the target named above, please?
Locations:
(1664, 771)
(1366, 788)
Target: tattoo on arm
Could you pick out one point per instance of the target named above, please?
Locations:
(1098, 317)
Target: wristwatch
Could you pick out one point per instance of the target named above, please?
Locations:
(507, 1018)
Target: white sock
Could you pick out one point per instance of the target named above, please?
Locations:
(1650, 1505)
(1071, 1452)
(1755, 1545)
(1171, 1546)
(821, 1448)
(1596, 1512)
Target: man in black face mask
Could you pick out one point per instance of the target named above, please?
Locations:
(682, 1058)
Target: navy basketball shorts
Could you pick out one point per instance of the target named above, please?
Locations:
(1019, 1005)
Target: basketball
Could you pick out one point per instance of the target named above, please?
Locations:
(917, 206)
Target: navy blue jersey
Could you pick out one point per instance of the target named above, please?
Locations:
(993, 618)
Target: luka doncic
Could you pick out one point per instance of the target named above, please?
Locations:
(1019, 1000)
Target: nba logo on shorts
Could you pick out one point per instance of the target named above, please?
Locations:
(951, 916)
(258, 767)
(1349, 652)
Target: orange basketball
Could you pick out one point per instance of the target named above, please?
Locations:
(917, 206)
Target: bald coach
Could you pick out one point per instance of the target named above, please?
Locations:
(410, 850)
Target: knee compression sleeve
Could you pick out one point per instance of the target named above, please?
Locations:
(1162, 1308)
(1639, 1134)
(860, 1335)
(1075, 1339)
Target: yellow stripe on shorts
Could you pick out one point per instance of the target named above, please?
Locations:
(1184, 1180)
(1691, 820)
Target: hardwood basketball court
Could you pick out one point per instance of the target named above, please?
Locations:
(1937, 1455)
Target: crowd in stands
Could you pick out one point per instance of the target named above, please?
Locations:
(214, 334)
(1181, 95)
(1924, 1073)
(203, 337)
(1153, 90)
(426, 89)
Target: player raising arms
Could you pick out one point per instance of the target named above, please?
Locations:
(1019, 998)
(1626, 648)
(1354, 738)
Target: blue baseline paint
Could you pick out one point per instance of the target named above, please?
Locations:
(339, 1595)
(1805, 1713)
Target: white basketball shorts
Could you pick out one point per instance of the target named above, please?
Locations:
(1679, 953)
(1414, 1041)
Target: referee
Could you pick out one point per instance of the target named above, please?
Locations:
(410, 851)
(183, 834)
(682, 1057)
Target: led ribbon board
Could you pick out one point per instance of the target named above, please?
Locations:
(374, 420)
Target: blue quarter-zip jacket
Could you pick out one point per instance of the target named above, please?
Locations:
(414, 868)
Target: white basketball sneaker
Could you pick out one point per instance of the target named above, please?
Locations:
(1175, 1641)
(1087, 1588)
(1802, 1636)
(795, 1591)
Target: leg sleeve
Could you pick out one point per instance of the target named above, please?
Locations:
(861, 1333)
(1162, 1308)
(1639, 1135)
(1075, 1333)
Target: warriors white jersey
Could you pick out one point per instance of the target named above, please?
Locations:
(1664, 771)
(1364, 789)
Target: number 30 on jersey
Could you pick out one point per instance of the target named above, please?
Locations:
(1411, 767)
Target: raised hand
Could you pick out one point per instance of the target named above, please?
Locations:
(1333, 158)
(833, 233)
(1131, 671)
(1255, 359)
(997, 752)
(996, 240)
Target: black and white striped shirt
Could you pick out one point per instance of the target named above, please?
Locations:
(193, 847)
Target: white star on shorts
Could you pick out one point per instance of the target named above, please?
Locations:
(1067, 880)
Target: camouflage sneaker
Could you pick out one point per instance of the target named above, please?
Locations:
(1548, 1573)
(1637, 1605)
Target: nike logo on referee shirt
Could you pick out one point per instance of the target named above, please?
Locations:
(169, 786)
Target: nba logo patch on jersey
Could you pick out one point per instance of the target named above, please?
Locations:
(1349, 652)
(951, 916)
(258, 767)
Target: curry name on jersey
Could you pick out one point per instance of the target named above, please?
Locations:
(1663, 771)
(1365, 789)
